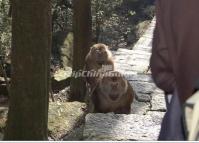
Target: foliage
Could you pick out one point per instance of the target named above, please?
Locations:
(5, 28)
(116, 23)
(149, 11)
(101, 11)
(61, 25)
(61, 15)
(104, 8)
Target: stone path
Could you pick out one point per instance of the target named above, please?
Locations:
(148, 107)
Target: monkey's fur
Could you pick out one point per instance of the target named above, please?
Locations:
(113, 94)
(98, 57)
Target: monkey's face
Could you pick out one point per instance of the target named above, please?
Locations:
(100, 53)
(113, 86)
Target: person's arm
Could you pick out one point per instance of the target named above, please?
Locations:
(162, 73)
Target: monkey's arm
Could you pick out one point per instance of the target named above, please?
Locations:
(95, 101)
(126, 107)
(130, 93)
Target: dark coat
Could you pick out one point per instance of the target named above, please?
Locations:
(175, 52)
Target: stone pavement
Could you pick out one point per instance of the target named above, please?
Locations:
(148, 107)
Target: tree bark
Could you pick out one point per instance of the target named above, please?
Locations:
(82, 27)
(29, 90)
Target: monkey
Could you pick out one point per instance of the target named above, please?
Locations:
(113, 94)
(98, 60)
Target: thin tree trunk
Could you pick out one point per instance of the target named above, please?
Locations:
(82, 27)
(10, 9)
(29, 90)
(97, 21)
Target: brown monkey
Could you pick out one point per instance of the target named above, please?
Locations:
(113, 94)
(98, 60)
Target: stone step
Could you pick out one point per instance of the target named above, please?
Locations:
(115, 127)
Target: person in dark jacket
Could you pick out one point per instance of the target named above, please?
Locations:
(175, 59)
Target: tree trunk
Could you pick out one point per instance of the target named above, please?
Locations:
(82, 27)
(29, 90)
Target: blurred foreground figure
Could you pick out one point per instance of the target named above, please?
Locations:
(175, 59)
